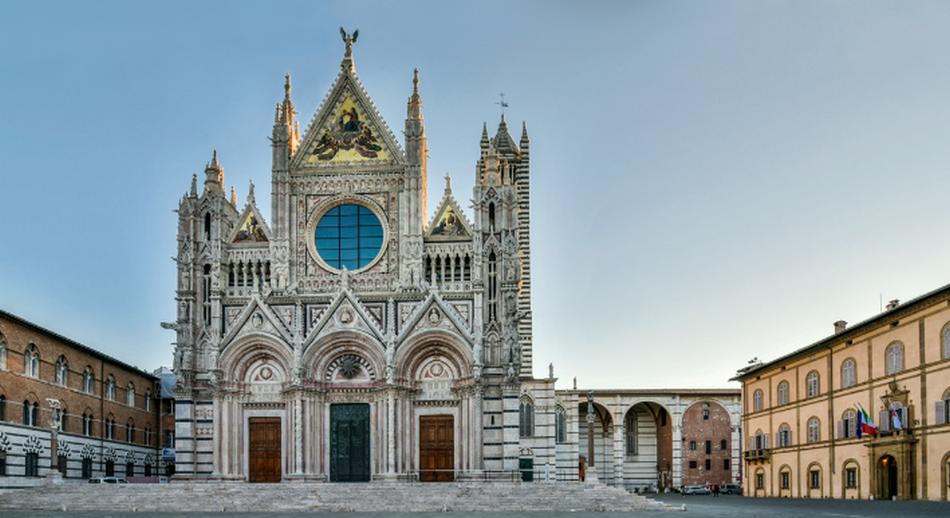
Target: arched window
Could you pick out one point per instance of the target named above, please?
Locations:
(110, 388)
(207, 226)
(946, 342)
(783, 393)
(110, 427)
(757, 401)
(894, 358)
(62, 371)
(526, 418)
(784, 438)
(130, 394)
(148, 400)
(31, 362)
(632, 433)
(560, 425)
(148, 436)
(849, 373)
(87, 423)
(814, 430)
(88, 381)
(3, 352)
(130, 431)
(492, 287)
(31, 413)
(812, 387)
(62, 419)
(849, 424)
(759, 441)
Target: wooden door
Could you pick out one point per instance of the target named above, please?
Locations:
(436, 448)
(349, 443)
(263, 457)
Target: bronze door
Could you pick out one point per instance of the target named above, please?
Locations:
(436, 448)
(349, 443)
(264, 449)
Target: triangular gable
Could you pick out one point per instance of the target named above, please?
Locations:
(449, 223)
(434, 313)
(258, 318)
(347, 129)
(251, 229)
(345, 313)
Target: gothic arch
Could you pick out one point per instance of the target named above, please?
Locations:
(318, 357)
(416, 349)
(848, 463)
(710, 402)
(239, 355)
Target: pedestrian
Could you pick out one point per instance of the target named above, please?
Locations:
(716, 490)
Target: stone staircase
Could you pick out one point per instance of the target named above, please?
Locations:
(336, 497)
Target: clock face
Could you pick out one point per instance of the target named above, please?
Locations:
(349, 236)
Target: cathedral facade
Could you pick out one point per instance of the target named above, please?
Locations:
(347, 337)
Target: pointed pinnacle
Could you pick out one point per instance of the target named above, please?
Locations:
(287, 86)
(524, 131)
(415, 81)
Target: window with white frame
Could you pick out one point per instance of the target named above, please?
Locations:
(849, 373)
(31, 362)
(894, 358)
(148, 400)
(814, 430)
(783, 393)
(110, 388)
(62, 371)
(757, 401)
(814, 479)
(812, 386)
(130, 394)
(850, 477)
(88, 381)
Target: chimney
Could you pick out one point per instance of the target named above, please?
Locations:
(892, 304)
(840, 326)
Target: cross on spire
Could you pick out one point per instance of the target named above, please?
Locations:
(502, 103)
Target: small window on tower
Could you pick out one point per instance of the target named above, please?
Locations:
(207, 226)
(491, 217)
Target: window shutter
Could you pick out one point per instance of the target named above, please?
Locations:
(751, 444)
(940, 412)
(884, 421)
(841, 429)
(765, 438)
(778, 439)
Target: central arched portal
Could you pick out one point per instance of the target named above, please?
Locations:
(887, 477)
(349, 442)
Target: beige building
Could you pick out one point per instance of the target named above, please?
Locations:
(801, 411)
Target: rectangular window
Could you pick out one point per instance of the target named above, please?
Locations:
(87, 468)
(129, 469)
(61, 464)
(708, 464)
(851, 478)
(3, 463)
(783, 480)
(726, 465)
(692, 445)
(692, 464)
(708, 447)
(110, 468)
(814, 479)
(32, 464)
(759, 481)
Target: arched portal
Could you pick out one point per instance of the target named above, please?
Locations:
(647, 447)
(887, 478)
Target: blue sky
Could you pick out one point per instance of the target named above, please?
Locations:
(712, 181)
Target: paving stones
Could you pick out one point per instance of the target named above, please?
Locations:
(332, 497)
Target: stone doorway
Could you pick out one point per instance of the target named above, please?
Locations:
(349, 443)
(436, 448)
(887, 478)
(263, 449)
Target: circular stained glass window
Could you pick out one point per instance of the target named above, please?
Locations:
(349, 236)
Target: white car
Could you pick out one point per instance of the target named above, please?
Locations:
(696, 490)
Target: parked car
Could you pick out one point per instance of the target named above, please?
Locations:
(108, 480)
(731, 489)
(696, 490)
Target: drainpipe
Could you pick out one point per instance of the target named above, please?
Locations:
(102, 417)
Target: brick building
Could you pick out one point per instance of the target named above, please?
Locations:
(107, 416)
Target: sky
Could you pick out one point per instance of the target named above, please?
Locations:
(711, 181)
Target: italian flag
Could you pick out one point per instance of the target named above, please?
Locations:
(865, 423)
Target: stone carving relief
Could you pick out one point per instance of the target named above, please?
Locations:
(349, 367)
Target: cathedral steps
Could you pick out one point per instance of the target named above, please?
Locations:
(336, 497)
